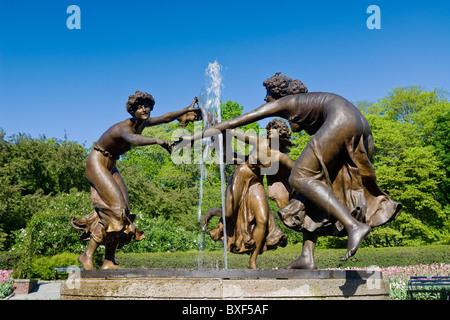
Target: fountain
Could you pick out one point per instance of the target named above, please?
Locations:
(224, 283)
(209, 103)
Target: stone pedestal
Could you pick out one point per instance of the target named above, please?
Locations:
(137, 284)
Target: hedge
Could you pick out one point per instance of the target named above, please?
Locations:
(325, 258)
(42, 267)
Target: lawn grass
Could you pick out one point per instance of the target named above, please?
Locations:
(325, 258)
(43, 266)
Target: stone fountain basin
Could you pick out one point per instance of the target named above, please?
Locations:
(143, 284)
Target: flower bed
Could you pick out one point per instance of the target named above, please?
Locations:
(398, 277)
(6, 283)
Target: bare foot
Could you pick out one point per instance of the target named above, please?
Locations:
(355, 236)
(252, 265)
(302, 263)
(86, 261)
(108, 264)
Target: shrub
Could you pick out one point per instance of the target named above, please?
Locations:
(187, 260)
(44, 267)
(49, 232)
(9, 260)
(326, 258)
(162, 235)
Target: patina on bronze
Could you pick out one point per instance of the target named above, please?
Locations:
(111, 223)
(337, 192)
(250, 224)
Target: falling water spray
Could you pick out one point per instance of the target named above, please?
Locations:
(209, 103)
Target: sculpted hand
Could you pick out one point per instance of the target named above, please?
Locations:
(167, 145)
(193, 102)
(193, 114)
(176, 144)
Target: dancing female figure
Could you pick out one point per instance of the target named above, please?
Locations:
(340, 148)
(111, 223)
(250, 224)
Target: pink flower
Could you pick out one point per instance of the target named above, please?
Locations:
(5, 275)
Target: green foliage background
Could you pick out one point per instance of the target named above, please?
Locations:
(42, 182)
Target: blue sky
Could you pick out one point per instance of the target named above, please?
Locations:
(56, 81)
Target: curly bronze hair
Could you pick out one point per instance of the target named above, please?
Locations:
(281, 86)
(283, 131)
(139, 97)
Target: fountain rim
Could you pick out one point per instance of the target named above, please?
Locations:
(230, 273)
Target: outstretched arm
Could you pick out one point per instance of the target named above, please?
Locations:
(137, 140)
(171, 116)
(271, 109)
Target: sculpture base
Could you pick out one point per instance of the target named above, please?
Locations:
(140, 284)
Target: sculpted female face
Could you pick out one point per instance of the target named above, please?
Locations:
(142, 111)
(269, 97)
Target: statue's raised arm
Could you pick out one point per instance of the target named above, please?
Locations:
(190, 113)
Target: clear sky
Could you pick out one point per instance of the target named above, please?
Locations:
(57, 81)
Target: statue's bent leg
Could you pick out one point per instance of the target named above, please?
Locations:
(309, 177)
(260, 208)
(87, 257)
(123, 188)
(110, 252)
(111, 199)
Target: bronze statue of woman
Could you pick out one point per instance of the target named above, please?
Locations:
(111, 223)
(250, 224)
(341, 147)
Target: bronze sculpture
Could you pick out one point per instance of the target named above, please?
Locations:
(111, 223)
(334, 178)
(250, 224)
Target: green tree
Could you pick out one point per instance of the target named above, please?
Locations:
(441, 141)
(407, 165)
(31, 171)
